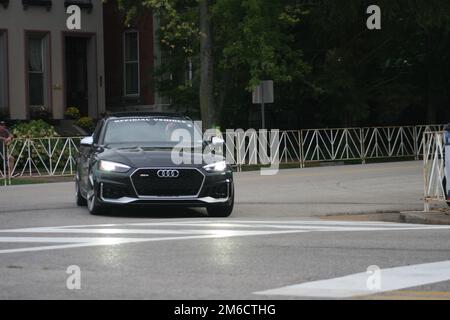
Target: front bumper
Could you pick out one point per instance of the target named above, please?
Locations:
(118, 189)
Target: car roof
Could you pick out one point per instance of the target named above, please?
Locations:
(137, 114)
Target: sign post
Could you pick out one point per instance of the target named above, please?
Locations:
(263, 94)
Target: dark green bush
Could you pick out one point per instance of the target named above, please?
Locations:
(86, 123)
(72, 113)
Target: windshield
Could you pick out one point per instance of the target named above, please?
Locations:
(151, 131)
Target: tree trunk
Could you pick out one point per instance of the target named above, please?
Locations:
(207, 106)
(222, 95)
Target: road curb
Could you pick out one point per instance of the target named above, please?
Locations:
(412, 217)
(437, 218)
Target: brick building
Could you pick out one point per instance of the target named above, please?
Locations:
(44, 66)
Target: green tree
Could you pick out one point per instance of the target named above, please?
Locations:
(221, 38)
(329, 69)
(399, 74)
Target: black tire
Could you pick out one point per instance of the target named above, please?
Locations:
(94, 207)
(221, 211)
(81, 202)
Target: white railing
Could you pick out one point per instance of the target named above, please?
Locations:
(56, 156)
(319, 145)
(331, 144)
(3, 165)
(433, 168)
(39, 157)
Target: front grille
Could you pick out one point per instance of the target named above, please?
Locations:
(148, 183)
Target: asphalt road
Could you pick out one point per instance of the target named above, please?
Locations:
(274, 246)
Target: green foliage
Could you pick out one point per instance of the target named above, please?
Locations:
(253, 35)
(178, 19)
(329, 69)
(261, 39)
(86, 123)
(34, 129)
(37, 130)
(72, 113)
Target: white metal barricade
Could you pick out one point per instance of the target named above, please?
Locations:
(433, 168)
(56, 156)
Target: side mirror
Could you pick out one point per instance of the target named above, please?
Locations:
(217, 141)
(87, 142)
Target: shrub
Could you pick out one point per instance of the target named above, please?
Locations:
(72, 113)
(34, 129)
(86, 123)
(39, 153)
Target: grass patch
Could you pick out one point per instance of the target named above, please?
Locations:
(314, 164)
(36, 180)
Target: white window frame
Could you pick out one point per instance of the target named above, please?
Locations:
(125, 62)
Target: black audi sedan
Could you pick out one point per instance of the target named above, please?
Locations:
(144, 159)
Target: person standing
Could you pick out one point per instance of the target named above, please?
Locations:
(5, 135)
(5, 139)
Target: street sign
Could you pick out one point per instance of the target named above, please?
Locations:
(263, 94)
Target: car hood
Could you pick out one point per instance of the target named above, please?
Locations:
(139, 157)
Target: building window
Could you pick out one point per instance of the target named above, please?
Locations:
(38, 66)
(131, 63)
(43, 3)
(3, 73)
(83, 4)
(36, 71)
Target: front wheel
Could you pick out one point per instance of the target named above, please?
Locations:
(81, 202)
(93, 204)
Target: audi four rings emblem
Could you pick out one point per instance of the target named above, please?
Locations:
(168, 173)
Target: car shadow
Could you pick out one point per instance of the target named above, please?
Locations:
(156, 212)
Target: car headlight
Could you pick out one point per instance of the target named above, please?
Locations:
(110, 166)
(216, 167)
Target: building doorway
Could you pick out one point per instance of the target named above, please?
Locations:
(77, 90)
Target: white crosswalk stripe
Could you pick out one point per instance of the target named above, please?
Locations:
(356, 285)
(75, 236)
